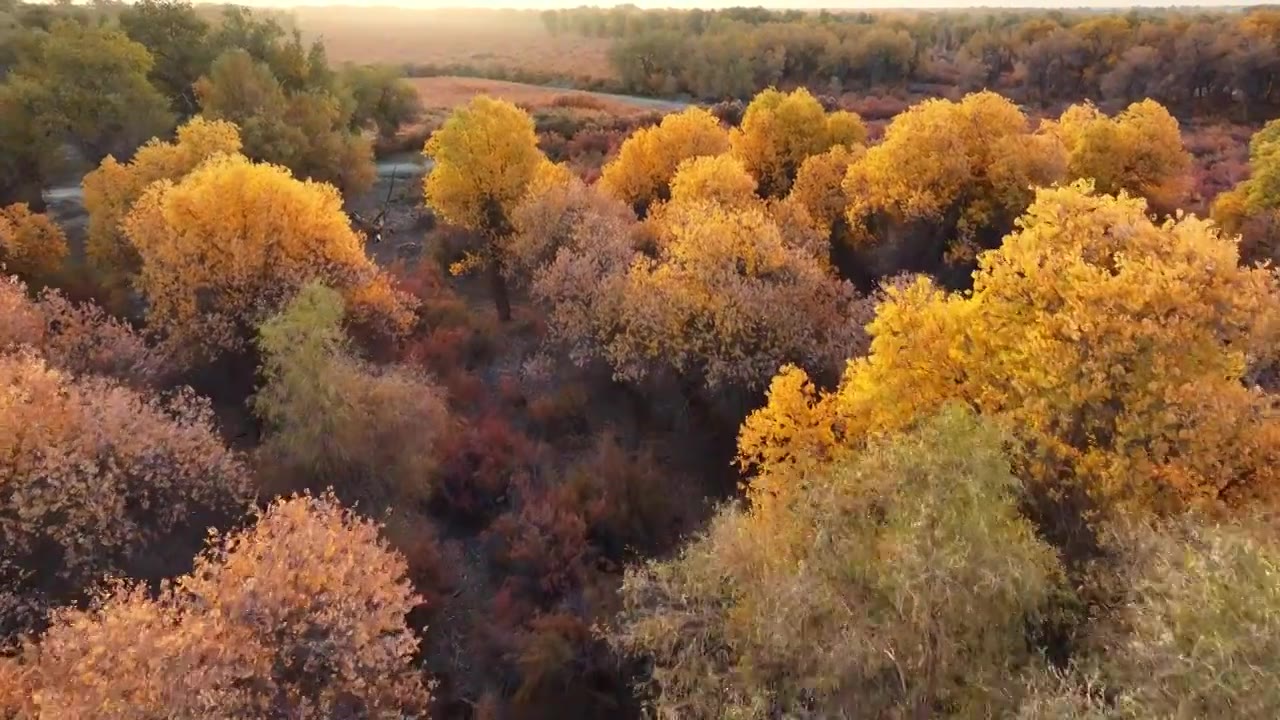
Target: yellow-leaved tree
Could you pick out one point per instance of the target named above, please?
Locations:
(111, 190)
(227, 245)
(948, 178)
(1139, 151)
(1252, 208)
(1114, 348)
(486, 160)
(31, 245)
(641, 173)
(780, 130)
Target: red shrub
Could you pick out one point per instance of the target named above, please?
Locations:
(478, 465)
(543, 545)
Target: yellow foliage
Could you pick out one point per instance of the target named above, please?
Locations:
(486, 156)
(717, 178)
(975, 159)
(819, 185)
(779, 130)
(31, 245)
(1252, 208)
(111, 190)
(1139, 151)
(648, 159)
(232, 241)
(1114, 348)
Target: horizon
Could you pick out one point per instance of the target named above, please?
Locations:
(878, 5)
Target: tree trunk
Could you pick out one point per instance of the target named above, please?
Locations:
(498, 284)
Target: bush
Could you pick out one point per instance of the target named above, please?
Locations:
(371, 432)
(478, 464)
(94, 473)
(78, 338)
(300, 616)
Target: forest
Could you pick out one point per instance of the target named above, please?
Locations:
(911, 371)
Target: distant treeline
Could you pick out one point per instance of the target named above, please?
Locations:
(1196, 62)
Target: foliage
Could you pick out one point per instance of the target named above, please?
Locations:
(1114, 348)
(178, 40)
(96, 472)
(382, 98)
(303, 615)
(780, 130)
(31, 245)
(1139, 151)
(486, 160)
(641, 173)
(371, 433)
(965, 168)
(896, 583)
(77, 338)
(721, 179)
(1252, 208)
(303, 125)
(89, 85)
(272, 235)
(111, 190)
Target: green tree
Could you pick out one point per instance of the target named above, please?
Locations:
(896, 582)
(383, 99)
(178, 40)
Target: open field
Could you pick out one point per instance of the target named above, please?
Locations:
(507, 39)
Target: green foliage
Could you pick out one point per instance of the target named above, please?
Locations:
(369, 432)
(178, 39)
(896, 583)
(382, 98)
(89, 85)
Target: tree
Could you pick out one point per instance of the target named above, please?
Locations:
(898, 581)
(302, 615)
(89, 85)
(307, 129)
(76, 338)
(1113, 348)
(226, 246)
(485, 158)
(647, 160)
(95, 473)
(951, 175)
(178, 40)
(383, 98)
(31, 245)
(819, 189)
(1252, 208)
(370, 432)
(1190, 630)
(779, 131)
(29, 144)
(111, 190)
(1139, 151)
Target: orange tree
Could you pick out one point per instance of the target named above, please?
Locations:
(31, 245)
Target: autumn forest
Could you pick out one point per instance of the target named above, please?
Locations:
(804, 365)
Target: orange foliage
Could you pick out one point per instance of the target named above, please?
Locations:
(76, 337)
(301, 616)
(99, 471)
(31, 245)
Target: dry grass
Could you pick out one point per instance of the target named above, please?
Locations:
(478, 37)
(449, 92)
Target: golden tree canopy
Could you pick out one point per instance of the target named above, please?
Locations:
(646, 162)
(111, 190)
(971, 162)
(1113, 347)
(31, 245)
(228, 244)
(1139, 151)
(485, 158)
(780, 130)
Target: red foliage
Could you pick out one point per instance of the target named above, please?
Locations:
(477, 467)
(543, 545)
